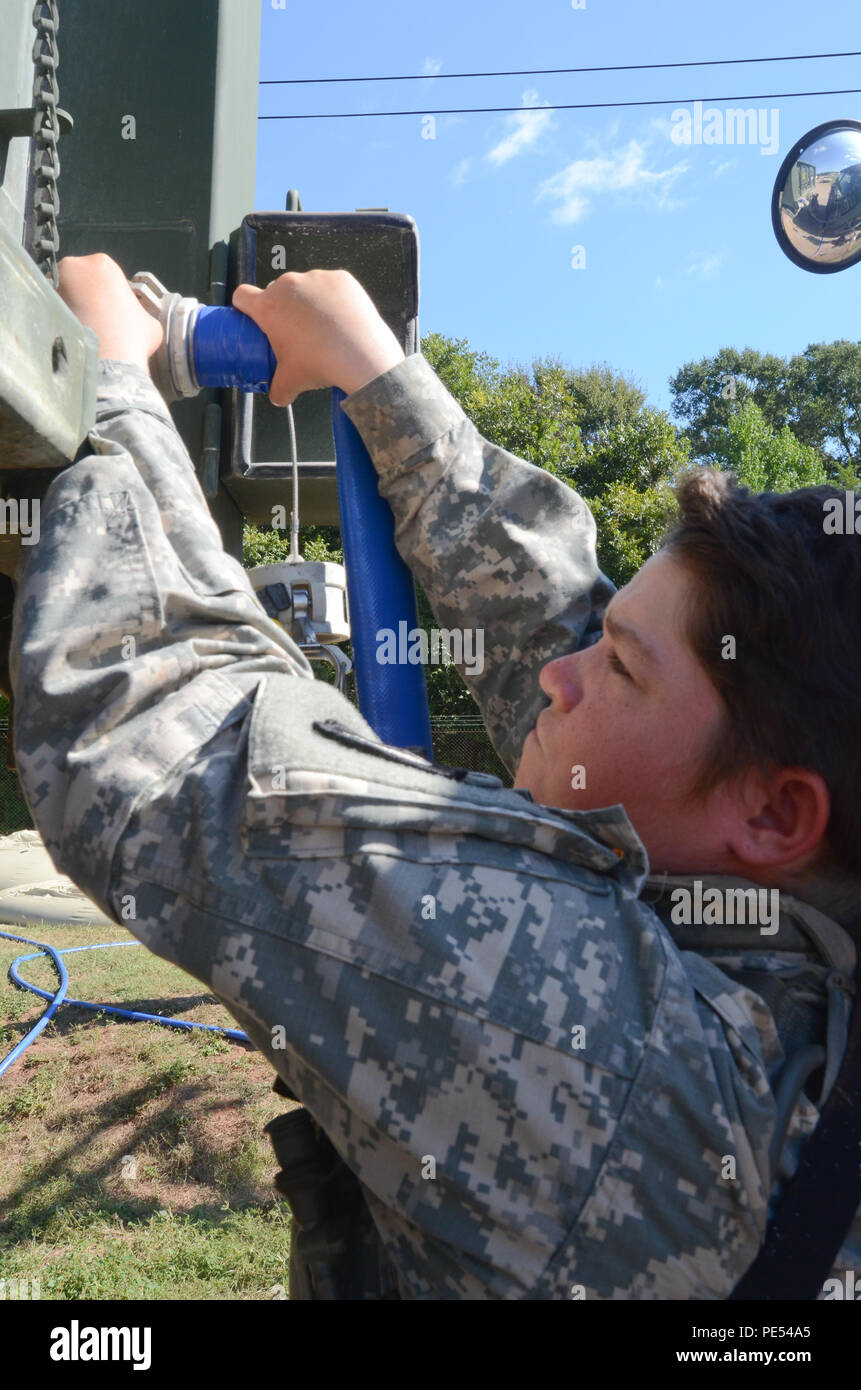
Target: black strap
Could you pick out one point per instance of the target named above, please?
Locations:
(336, 1252)
(818, 1205)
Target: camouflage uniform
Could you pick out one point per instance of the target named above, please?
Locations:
(542, 1086)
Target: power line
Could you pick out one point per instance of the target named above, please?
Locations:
(550, 72)
(573, 106)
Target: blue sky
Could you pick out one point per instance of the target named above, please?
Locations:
(680, 257)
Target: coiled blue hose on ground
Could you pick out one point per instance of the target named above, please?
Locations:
(56, 1001)
(60, 996)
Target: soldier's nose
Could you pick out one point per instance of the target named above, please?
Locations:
(558, 679)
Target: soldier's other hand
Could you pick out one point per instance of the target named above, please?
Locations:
(324, 331)
(98, 293)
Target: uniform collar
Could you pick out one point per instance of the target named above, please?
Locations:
(802, 918)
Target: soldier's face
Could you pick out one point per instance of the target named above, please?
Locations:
(629, 722)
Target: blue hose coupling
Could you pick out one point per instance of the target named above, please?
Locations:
(227, 349)
(204, 345)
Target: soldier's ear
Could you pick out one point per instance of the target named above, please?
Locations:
(785, 819)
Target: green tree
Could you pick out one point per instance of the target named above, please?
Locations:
(707, 393)
(764, 459)
(531, 414)
(589, 427)
(825, 380)
(266, 545)
(816, 394)
(639, 452)
(602, 399)
(631, 525)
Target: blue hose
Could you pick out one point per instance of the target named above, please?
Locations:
(56, 1001)
(381, 594)
(59, 997)
(228, 349)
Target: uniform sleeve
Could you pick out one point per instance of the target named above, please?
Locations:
(135, 635)
(499, 546)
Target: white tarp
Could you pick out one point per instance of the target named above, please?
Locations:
(31, 890)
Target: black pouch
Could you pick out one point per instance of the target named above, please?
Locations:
(336, 1252)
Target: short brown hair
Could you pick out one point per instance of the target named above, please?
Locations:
(767, 574)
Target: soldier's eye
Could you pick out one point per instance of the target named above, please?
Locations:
(618, 666)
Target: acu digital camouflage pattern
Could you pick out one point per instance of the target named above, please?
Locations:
(175, 749)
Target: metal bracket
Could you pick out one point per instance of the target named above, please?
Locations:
(171, 368)
(17, 123)
(312, 646)
(210, 451)
(291, 603)
(48, 368)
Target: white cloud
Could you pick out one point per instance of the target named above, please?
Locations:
(524, 129)
(460, 171)
(575, 186)
(431, 67)
(600, 141)
(705, 264)
(661, 126)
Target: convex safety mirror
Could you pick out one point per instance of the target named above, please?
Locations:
(816, 204)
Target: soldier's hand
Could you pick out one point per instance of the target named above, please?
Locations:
(97, 291)
(324, 331)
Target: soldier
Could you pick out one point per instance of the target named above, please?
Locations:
(550, 1078)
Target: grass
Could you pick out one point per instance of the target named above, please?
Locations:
(132, 1158)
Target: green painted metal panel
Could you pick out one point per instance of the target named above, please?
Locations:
(159, 169)
(47, 360)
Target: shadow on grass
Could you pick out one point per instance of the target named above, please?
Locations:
(176, 1126)
(22, 1215)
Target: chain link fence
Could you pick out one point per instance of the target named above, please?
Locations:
(13, 808)
(463, 742)
(457, 742)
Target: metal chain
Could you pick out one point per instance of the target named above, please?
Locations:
(46, 133)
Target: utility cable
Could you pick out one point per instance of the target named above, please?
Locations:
(295, 552)
(568, 106)
(551, 72)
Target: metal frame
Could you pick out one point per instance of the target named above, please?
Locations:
(255, 485)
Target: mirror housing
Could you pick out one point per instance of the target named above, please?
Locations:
(816, 203)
